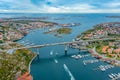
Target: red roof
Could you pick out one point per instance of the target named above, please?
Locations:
(25, 76)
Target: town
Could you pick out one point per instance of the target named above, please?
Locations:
(108, 51)
(12, 30)
(16, 66)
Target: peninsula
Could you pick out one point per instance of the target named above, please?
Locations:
(14, 65)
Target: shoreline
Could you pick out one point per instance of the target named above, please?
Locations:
(29, 70)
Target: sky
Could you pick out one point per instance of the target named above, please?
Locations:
(60, 6)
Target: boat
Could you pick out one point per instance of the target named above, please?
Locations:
(102, 68)
(110, 76)
(76, 56)
(84, 63)
(113, 75)
(56, 61)
(79, 56)
(51, 53)
(73, 56)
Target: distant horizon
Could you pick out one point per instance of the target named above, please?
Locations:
(53, 13)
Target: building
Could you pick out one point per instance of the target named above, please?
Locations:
(25, 76)
(1, 36)
(104, 49)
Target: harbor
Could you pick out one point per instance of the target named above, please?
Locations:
(103, 68)
(114, 76)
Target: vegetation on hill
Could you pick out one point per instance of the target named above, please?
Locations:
(11, 64)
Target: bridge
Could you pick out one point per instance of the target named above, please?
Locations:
(60, 43)
(64, 43)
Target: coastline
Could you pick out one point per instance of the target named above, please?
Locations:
(29, 70)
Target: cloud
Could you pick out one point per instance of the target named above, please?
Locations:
(68, 8)
(60, 6)
(79, 8)
(113, 5)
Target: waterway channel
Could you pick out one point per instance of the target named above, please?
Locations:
(46, 68)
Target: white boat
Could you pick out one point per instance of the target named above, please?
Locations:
(56, 61)
(113, 75)
(79, 56)
(73, 56)
(51, 53)
(84, 63)
(76, 57)
(102, 68)
(110, 76)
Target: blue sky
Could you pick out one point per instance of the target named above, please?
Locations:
(60, 6)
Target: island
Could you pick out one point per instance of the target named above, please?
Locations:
(59, 31)
(63, 29)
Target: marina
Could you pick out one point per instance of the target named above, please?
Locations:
(79, 56)
(76, 56)
(114, 76)
(105, 67)
(85, 62)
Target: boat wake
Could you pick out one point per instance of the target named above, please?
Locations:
(68, 71)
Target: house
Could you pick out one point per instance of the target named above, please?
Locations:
(117, 50)
(110, 50)
(104, 49)
(1, 36)
(111, 55)
(25, 76)
(118, 55)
